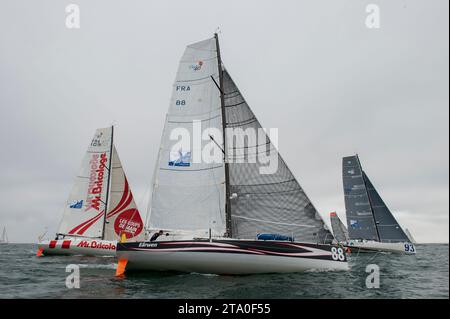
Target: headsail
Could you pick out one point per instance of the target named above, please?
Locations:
(189, 193)
(84, 211)
(273, 202)
(122, 215)
(360, 219)
(388, 227)
(410, 236)
(339, 230)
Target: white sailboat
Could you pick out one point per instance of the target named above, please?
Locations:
(4, 238)
(225, 216)
(370, 223)
(100, 209)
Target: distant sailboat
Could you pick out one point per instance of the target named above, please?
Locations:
(370, 223)
(4, 238)
(225, 217)
(100, 210)
(339, 231)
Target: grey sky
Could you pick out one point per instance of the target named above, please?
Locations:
(311, 68)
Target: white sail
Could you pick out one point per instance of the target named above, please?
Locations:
(85, 209)
(410, 236)
(4, 238)
(188, 193)
(122, 214)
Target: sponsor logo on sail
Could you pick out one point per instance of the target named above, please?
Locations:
(354, 224)
(129, 222)
(77, 204)
(197, 66)
(180, 158)
(97, 165)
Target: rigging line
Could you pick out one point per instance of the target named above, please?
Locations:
(217, 85)
(212, 138)
(237, 104)
(252, 146)
(269, 193)
(286, 181)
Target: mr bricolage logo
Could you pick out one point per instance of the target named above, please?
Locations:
(96, 245)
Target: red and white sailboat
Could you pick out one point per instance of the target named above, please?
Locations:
(100, 209)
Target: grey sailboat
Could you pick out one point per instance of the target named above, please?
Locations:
(371, 225)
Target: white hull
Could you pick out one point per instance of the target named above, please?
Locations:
(375, 246)
(230, 258)
(78, 246)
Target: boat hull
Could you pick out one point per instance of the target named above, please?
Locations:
(232, 257)
(374, 246)
(78, 246)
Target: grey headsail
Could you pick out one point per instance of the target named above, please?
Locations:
(388, 228)
(271, 202)
(339, 230)
(360, 219)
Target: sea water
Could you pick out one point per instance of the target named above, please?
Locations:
(426, 275)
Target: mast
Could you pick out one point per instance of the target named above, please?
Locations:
(368, 197)
(109, 180)
(227, 171)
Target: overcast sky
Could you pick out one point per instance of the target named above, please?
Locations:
(312, 68)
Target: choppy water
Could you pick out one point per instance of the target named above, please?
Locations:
(22, 275)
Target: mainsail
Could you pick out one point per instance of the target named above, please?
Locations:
(84, 211)
(273, 202)
(360, 220)
(339, 230)
(189, 193)
(101, 190)
(367, 215)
